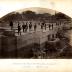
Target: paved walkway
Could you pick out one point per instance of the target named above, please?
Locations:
(28, 31)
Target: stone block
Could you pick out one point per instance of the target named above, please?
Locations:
(8, 45)
(9, 33)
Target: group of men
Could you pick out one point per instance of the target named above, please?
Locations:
(27, 26)
(24, 27)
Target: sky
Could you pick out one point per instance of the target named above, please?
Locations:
(7, 6)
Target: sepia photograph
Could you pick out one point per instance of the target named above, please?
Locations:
(36, 34)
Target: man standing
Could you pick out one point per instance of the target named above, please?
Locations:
(49, 26)
(45, 26)
(41, 26)
(23, 26)
(19, 29)
(11, 25)
(26, 27)
(30, 26)
(35, 26)
(52, 26)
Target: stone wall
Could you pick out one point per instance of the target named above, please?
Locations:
(34, 37)
(8, 46)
